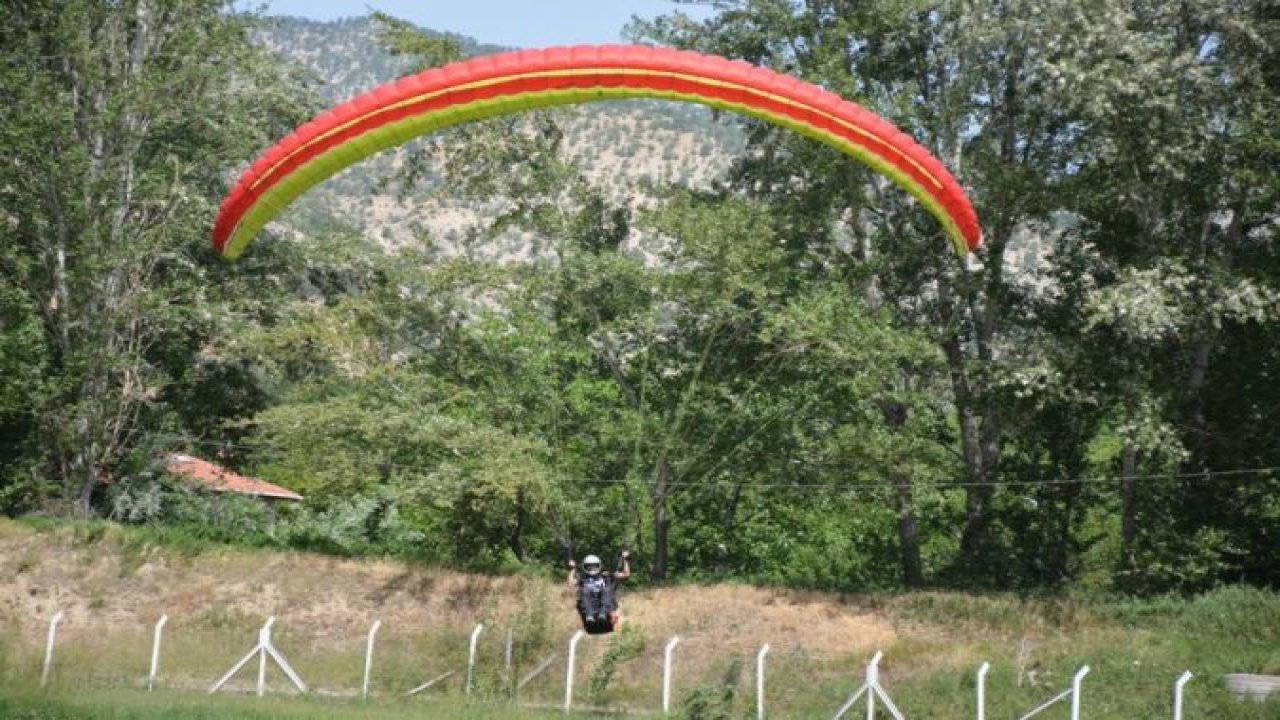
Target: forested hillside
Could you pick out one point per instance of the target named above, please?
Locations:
(618, 145)
(731, 348)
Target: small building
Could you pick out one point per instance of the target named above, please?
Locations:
(211, 476)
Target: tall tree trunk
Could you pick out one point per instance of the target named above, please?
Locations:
(1199, 424)
(1060, 552)
(515, 539)
(908, 531)
(975, 450)
(1128, 498)
(84, 444)
(895, 412)
(661, 522)
(729, 527)
(84, 473)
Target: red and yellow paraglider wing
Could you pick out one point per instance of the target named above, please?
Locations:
(512, 82)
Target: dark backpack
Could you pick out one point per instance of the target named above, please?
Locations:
(596, 594)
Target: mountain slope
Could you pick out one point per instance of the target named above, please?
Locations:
(618, 144)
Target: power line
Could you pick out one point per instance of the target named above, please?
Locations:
(1200, 476)
(957, 484)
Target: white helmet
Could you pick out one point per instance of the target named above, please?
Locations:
(591, 564)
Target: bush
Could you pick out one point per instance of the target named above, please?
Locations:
(1177, 562)
(361, 525)
(164, 503)
(627, 644)
(708, 703)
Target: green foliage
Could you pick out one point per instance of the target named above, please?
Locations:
(23, 353)
(1170, 561)
(106, 205)
(361, 525)
(201, 515)
(625, 644)
(401, 38)
(1091, 136)
(713, 703)
(1236, 611)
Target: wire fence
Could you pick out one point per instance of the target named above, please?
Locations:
(173, 653)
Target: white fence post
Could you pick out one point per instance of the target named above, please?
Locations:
(1072, 692)
(506, 658)
(262, 650)
(666, 672)
(982, 690)
(368, 658)
(871, 687)
(264, 639)
(48, 647)
(568, 677)
(289, 672)
(1177, 693)
(155, 653)
(1075, 691)
(857, 694)
(873, 679)
(764, 650)
(471, 658)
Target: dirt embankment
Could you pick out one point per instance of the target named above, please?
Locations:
(103, 579)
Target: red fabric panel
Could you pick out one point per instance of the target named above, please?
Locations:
(586, 67)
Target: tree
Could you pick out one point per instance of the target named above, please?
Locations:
(968, 81)
(872, 389)
(1179, 210)
(23, 361)
(119, 122)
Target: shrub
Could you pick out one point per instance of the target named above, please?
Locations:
(627, 644)
(170, 505)
(364, 524)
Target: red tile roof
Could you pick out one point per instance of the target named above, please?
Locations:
(216, 477)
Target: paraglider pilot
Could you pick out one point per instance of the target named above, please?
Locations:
(598, 592)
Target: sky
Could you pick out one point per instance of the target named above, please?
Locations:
(510, 23)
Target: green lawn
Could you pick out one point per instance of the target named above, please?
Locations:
(121, 704)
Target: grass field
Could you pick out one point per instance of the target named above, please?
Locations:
(98, 704)
(113, 587)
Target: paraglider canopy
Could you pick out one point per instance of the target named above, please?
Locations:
(517, 81)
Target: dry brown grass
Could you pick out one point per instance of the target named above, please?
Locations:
(332, 600)
(113, 588)
(113, 591)
(746, 617)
